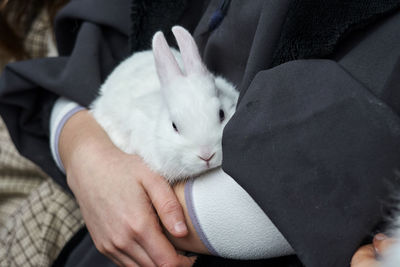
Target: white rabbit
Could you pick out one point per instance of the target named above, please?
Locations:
(172, 117)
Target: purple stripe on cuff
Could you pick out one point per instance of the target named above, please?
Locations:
(193, 216)
(58, 132)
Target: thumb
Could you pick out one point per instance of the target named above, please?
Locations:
(364, 257)
(166, 204)
(382, 242)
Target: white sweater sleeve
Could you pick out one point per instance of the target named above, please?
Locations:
(62, 110)
(228, 220)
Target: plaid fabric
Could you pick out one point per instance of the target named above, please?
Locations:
(18, 176)
(37, 217)
(36, 41)
(37, 231)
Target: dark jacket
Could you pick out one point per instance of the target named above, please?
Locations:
(316, 135)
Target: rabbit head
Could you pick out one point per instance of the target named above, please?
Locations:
(197, 107)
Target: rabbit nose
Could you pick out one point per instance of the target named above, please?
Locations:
(206, 158)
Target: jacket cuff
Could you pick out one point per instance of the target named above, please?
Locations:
(229, 222)
(63, 109)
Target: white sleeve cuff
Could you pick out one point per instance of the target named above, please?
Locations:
(228, 220)
(62, 110)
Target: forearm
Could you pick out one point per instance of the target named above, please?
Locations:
(74, 132)
(80, 132)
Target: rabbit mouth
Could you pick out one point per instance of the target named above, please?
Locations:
(211, 164)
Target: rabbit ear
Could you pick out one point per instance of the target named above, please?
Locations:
(190, 53)
(166, 65)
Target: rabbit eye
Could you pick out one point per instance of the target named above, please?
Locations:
(221, 115)
(174, 126)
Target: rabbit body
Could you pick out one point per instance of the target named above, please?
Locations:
(129, 106)
(169, 110)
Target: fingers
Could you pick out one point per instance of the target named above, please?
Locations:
(166, 204)
(160, 249)
(192, 259)
(122, 260)
(381, 243)
(187, 261)
(127, 253)
(135, 254)
(120, 216)
(143, 244)
(170, 212)
(364, 257)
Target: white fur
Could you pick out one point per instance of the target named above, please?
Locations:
(137, 110)
(391, 258)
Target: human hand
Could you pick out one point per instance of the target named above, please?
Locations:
(191, 242)
(116, 193)
(366, 256)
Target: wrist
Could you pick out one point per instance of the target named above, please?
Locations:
(82, 139)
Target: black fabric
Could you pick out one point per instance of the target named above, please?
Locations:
(81, 252)
(150, 16)
(318, 148)
(211, 261)
(72, 245)
(312, 141)
(391, 91)
(378, 71)
(91, 45)
(314, 28)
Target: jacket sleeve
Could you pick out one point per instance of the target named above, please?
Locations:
(313, 146)
(92, 38)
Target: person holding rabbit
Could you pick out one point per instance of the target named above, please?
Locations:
(314, 136)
